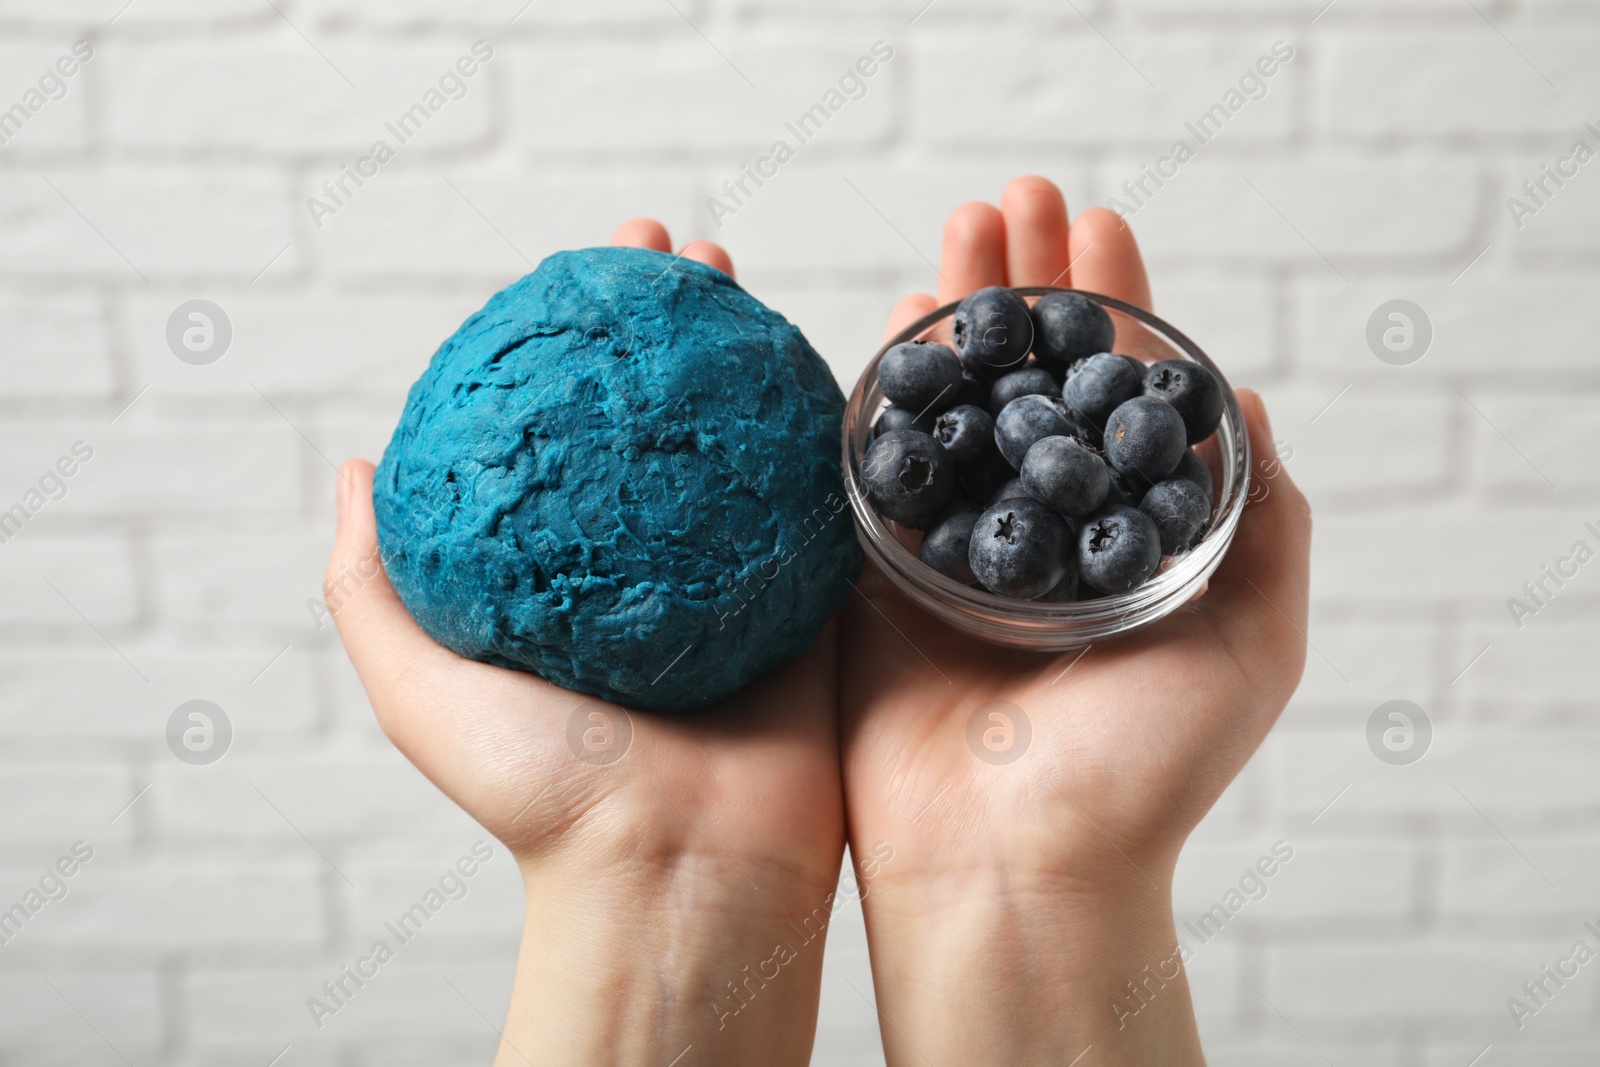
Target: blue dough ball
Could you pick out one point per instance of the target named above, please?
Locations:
(623, 475)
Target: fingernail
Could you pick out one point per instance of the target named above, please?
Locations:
(341, 492)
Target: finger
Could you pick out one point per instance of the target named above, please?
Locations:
(1259, 594)
(712, 255)
(642, 233)
(1035, 216)
(383, 641)
(908, 311)
(974, 253)
(1105, 258)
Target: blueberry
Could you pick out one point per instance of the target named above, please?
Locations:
(957, 503)
(1192, 390)
(1067, 588)
(1145, 438)
(1011, 490)
(1019, 548)
(1030, 381)
(1195, 470)
(946, 546)
(966, 432)
(907, 476)
(1066, 474)
(1118, 549)
(979, 480)
(1125, 488)
(1097, 386)
(1179, 509)
(1086, 431)
(992, 331)
(1069, 327)
(974, 390)
(1028, 419)
(919, 375)
(903, 419)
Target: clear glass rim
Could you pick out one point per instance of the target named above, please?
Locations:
(1031, 623)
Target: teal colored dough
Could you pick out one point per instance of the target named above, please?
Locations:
(622, 475)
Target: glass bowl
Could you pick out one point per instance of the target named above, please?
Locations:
(1040, 625)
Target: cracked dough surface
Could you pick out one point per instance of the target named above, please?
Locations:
(622, 475)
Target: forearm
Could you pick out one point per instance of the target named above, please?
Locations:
(1018, 971)
(640, 966)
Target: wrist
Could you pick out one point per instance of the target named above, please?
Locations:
(1085, 963)
(631, 962)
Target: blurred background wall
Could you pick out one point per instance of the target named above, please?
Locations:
(1447, 468)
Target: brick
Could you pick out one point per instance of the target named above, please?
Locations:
(359, 429)
(1232, 320)
(490, 229)
(425, 1052)
(697, 99)
(137, 467)
(1210, 211)
(85, 1051)
(1506, 775)
(60, 804)
(1443, 82)
(1472, 329)
(1490, 880)
(1289, 1050)
(177, 902)
(291, 345)
(55, 346)
(167, 223)
(1546, 1053)
(61, 121)
(1323, 878)
(256, 1053)
(404, 1000)
(322, 795)
(352, 711)
(1420, 979)
(1075, 88)
(926, 14)
(1366, 657)
(1565, 217)
(390, 880)
(892, 220)
(124, 1006)
(244, 581)
(273, 94)
(1234, 808)
(1430, 551)
(94, 575)
(1333, 14)
(1533, 666)
(622, 16)
(146, 12)
(52, 692)
(1533, 441)
(1215, 981)
(1365, 441)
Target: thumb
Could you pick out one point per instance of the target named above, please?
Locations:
(381, 638)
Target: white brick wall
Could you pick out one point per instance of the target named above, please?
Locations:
(177, 166)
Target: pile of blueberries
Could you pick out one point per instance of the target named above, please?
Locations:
(1041, 465)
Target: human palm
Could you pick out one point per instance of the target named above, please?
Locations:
(547, 770)
(1132, 740)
